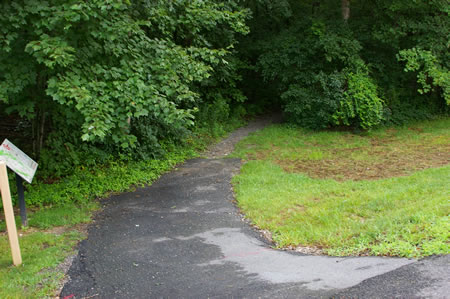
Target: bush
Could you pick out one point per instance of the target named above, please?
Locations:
(314, 106)
(360, 106)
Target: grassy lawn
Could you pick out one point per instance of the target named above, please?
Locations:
(51, 237)
(379, 193)
(39, 275)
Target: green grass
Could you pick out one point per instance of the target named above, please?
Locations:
(50, 237)
(67, 215)
(54, 216)
(340, 209)
(37, 277)
(343, 155)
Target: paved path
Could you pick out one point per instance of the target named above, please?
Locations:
(183, 237)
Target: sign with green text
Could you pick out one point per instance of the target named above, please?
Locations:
(17, 160)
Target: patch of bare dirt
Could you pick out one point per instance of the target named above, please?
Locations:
(57, 230)
(286, 214)
(383, 158)
(382, 162)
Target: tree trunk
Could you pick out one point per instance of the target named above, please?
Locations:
(38, 132)
(42, 132)
(345, 9)
(315, 7)
(38, 127)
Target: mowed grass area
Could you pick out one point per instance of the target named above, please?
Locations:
(385, 192)
(39, 276)
(50, 238)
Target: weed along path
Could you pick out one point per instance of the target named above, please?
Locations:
(183, 237)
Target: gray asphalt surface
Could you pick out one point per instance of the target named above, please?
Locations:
(183, 237)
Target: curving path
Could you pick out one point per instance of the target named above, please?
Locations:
(183, 237)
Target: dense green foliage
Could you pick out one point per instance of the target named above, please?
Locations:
(382, 61)
(95, 78)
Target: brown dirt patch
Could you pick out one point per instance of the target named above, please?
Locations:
(57, 230)
(381, 161)
(286, 214)
(384, 157)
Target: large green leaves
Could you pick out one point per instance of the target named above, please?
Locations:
(113, 61)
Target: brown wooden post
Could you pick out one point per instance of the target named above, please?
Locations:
(9, 215)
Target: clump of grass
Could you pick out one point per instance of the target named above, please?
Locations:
(37, 277)
(50, 237)
(388, 215)
(54, 216)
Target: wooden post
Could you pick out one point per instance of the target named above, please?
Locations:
(9, 215)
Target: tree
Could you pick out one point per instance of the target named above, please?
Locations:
(92, 70)
(331, 69)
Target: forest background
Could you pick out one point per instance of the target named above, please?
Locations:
(84, 84)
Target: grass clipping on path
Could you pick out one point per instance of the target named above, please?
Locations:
(290, 187)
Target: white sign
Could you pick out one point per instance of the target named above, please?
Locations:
(17, 160)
